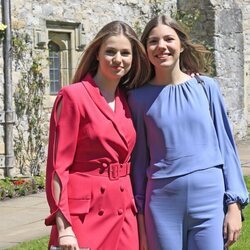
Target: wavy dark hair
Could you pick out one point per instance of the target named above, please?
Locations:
(192, 59)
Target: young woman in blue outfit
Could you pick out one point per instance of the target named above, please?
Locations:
(187, 177)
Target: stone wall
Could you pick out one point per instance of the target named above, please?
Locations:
(223, 25)
(32, 16)
(245, 8)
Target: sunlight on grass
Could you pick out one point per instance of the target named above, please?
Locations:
(244, 241)
(38, 244)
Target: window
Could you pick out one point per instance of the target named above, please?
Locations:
(65, 44)
(54, 67)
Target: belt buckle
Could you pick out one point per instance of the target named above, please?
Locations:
(128, 166)
(114, 171)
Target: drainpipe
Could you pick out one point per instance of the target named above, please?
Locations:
(8, 109)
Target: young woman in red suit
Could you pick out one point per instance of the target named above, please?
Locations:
(91, 138)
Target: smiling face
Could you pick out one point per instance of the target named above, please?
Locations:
(164, 47)
(115, 57)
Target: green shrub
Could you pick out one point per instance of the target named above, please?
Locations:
(21, 186)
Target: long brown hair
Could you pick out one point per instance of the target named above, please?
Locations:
(192, 59)
(140, 68)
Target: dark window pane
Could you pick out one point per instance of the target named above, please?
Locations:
(54, 67)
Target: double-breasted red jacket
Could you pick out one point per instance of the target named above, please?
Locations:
(89, 149)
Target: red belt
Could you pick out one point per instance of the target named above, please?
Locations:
(112, 170)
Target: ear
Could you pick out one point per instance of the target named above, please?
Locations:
(97, 56)
(182, 49)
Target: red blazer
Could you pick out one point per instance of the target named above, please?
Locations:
(88, 131)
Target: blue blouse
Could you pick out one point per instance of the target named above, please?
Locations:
(181, 130)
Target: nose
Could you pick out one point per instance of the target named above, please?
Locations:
(161, 44)
(117, 57)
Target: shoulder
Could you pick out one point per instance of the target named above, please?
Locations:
(74, 89)
(72, 93)
(139, 94)
(211, 84)
(210, 81)
(141, 99)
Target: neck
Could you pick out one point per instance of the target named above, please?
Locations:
(107, 87)
(165, 76)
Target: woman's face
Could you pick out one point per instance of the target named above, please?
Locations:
(115, 57)
(164, 47)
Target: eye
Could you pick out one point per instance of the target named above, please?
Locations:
(126, 53)
(169, 39)
(110, 52)
(152, 41)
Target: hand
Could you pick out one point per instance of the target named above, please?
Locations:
(68, 242)
(142, 233)
(66, 236)
(143, 241)
(232, 224)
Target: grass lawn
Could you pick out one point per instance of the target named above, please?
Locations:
(244, 241)
(39, 244)
(242, 244)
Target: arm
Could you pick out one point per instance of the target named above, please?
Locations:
(140, 155)
(60, 156)
(66, 236)
(142, 232)
(140, 162)
(236, 194)
(235, 188)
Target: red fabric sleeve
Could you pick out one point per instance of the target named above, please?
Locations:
(62, 146)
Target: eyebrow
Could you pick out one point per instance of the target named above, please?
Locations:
(109, 47)
(163, 36)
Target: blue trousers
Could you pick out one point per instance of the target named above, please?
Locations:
(186, 212)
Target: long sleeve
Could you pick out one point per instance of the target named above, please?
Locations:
(62, 146)
(140, 155)
(235, 188)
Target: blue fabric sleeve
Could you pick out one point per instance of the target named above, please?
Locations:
(235, 188)
(140, 155)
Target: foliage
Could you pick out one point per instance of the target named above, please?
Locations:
(138, 28)
(20, 186)
(29, 103)
(2, 27)
(2, 31)
(186, 19)
(155, 7)
(7, 189)
(247, 180)
(189, 21)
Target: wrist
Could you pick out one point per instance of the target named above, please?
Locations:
(66, 235)
(234, 206)
(65, 231)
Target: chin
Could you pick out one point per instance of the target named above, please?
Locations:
(164, 65)
(119, 74)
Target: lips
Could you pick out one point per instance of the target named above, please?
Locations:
(163, 56)
(118, 67)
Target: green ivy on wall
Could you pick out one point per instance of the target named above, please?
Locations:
(2, 31)
(30, 138)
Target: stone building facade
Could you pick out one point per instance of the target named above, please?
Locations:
(58, 31)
